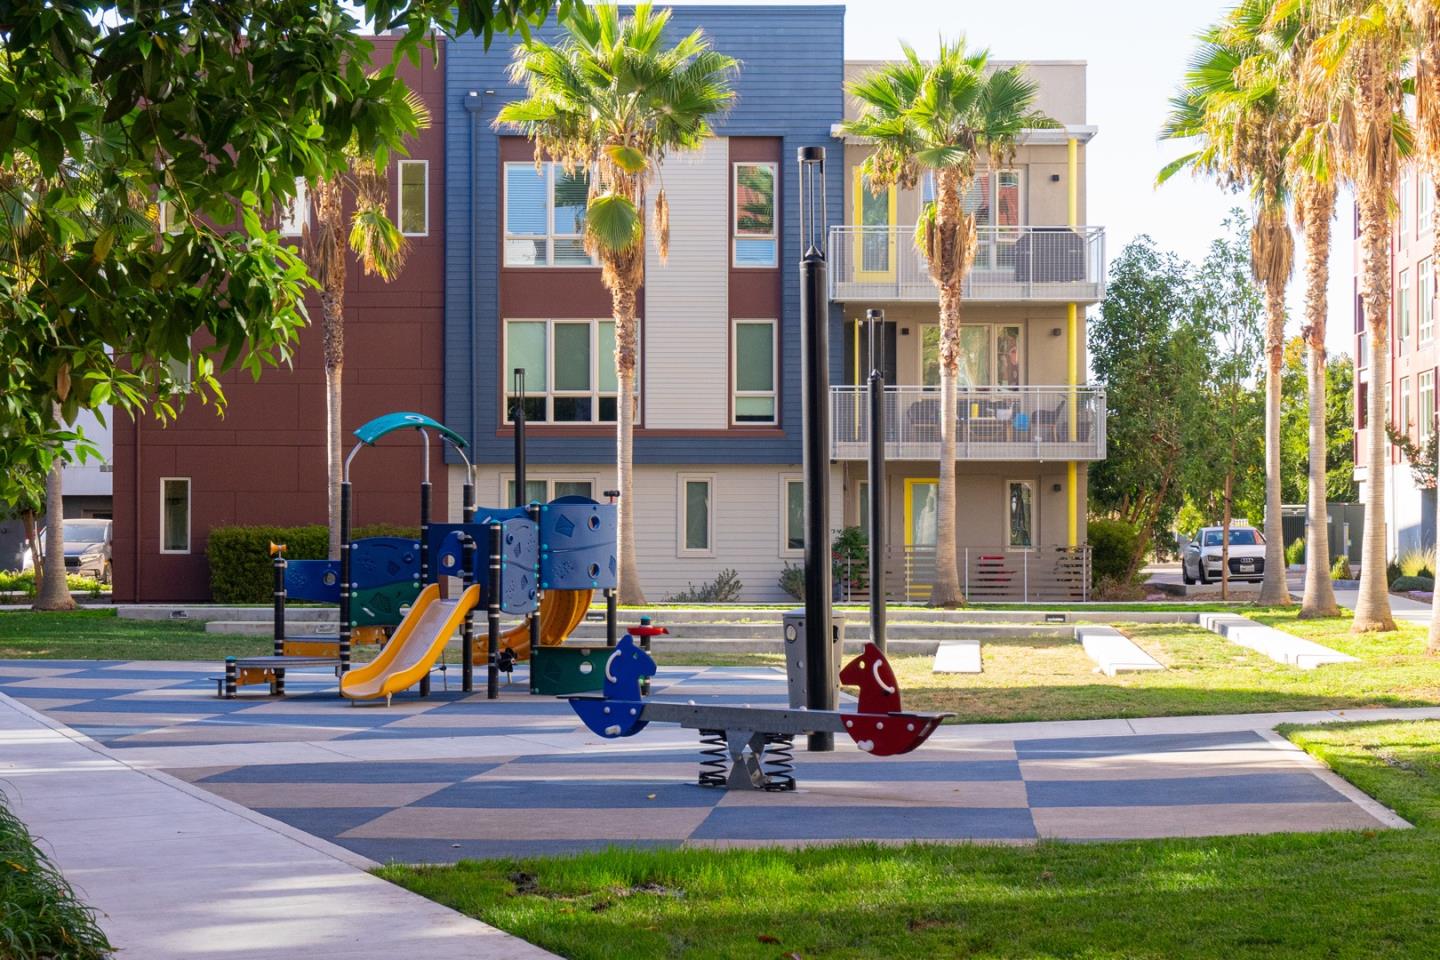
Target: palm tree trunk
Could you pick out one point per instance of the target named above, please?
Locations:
(33, 542)
(622, 298)
(54, 593)
(1319, 209)
(1372, 609)
(333, 308)
(949, 276)
(1274, 591)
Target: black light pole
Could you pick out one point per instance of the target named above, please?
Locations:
(815, 396)
(876, 319)
(518, 415)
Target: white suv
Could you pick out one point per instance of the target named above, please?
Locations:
(1200, 559)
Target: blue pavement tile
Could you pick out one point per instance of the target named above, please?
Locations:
(678, 695)
(357, 719)
(188, 707)
(652, 756)
(67, 664)
(968, 771)
(613, 794)
(440, 733)
(63, 693)
(1242, 788)
(865, 823)
(106, 734)
(449, 851)
(324, 822)
(1065, 749)
(125, 672)
(359, 771)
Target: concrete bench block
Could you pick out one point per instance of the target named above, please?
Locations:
(1276, 644)
(1114, 652)
(958, 656)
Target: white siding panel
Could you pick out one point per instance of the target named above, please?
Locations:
(686, 324)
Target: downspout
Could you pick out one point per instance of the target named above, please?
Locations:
(1072, 317)
(474, 103)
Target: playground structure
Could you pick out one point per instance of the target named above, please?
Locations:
(543, 562)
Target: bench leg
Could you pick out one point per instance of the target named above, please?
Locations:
(277, 682)
(230, 678)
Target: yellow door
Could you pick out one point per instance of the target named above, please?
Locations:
(922, 498)
(875, 240)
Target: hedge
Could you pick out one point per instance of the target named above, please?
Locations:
(240, 565)
(1112, 544)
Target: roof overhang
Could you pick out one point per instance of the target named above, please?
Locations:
(1056, 136)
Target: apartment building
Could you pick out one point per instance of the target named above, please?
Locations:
(1414, 363)
(263, 462)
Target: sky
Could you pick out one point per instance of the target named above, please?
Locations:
(1136, 51)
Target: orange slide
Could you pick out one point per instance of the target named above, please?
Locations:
(561, 611)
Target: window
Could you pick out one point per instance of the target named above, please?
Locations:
(863, 505)
(174, 514)
(1406, 186)
(569, 369)
(170, 218)
(1021, 497)
(1239, 537)
(545, 216)
(543, 491)
(1427, 407)
(754, 215)
(696, 506)
(414, 197)
(1362, 403)
(793, 502)
(179, 373)
(989, 354)
(1402, 312)
(1405, 424)
(1427, 301)
(295, 215)
(754, 357)
(1425, 205)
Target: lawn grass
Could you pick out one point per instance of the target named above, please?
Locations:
(1369, 894)
(101, 635)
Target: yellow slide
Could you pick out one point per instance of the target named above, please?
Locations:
(560, 613)
(416, 644)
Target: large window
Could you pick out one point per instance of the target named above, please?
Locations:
(569, 369)
(1425, 205)
(793, 502)
(1427, 407)
(545, 216)
(543, 491)
(990, 355)
(1021, 513)
(754, 356)
(174, 514)
(1405, 423)
(1427, 301)
(413, 197)
(696, 515)
(1402, 312)
(1407, 184)
(754, 215)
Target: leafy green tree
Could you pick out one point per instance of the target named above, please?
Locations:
(1146, 351)
(612, 99)
(944, 116)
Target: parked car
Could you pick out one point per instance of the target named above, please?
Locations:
(1201, 557)
(87, 548)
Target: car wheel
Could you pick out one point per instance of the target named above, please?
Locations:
(1200, 571)
(1185, 577)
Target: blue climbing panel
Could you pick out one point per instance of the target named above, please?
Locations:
(378, 561)
(577, 545)
(314, 580)
(520, 549)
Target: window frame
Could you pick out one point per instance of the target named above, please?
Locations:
(993, 329)
(1425, 424)
(682, 514)
(1424, 205)
(400, 166)
(1034, 508)
(297, 211)
(1403, 213)
(786, 481)
(1426, 283)
(189, 516)
(550, 236)
(1403, 324)
(774, 392)
(735, 235)
(505, 479)
(550, 393)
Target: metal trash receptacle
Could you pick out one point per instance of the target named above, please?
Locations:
(794, 627)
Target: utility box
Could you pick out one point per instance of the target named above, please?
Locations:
(795, 633)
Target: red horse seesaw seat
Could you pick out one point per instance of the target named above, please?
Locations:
(745, 734)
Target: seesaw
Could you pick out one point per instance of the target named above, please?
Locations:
(756, 744)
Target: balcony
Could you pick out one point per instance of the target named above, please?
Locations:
(993, 423)
(1012, 265)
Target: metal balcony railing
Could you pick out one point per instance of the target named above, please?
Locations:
(1045, 574)
(992, 423)
(1012, 264)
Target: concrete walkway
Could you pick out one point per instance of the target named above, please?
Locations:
(177, 872)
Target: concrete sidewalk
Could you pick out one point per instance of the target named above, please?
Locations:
(177, 872)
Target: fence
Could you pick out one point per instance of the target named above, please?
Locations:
(1049, 574)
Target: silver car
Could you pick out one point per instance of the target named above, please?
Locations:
(87, 548)
(1200, 560)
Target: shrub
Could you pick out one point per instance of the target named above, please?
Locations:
(1340, 569)
(42, 917)
(850, 560)
(1112, 544)
(1405, 584)
(1295, 553)
(792, 580)
(1392, 572)
(1417, 563)
(1118, 591)
(23, 582)
(725, 588)
(240, 563)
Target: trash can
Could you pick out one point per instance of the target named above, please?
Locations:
(794, 627)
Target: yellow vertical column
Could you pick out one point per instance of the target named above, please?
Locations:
(1072, 472)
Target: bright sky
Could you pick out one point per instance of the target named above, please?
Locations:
(1136, 51)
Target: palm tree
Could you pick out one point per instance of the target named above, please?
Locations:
(1362, 51)
(944, 117)
(612, 100)
(1230, 105)
(380, 249)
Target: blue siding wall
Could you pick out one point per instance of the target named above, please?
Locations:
(790, 86)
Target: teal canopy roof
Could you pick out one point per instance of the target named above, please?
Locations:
(390, 422)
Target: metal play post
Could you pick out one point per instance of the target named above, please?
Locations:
(821, 693)
(876, 319)
(467, 627)
(278, 551)
(492, 680)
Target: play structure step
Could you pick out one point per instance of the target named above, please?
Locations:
(1278, 645)
(1114, 652)
(958, 656)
